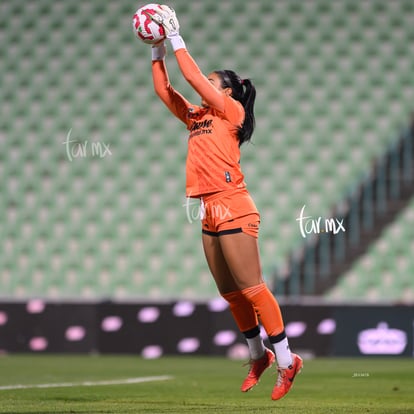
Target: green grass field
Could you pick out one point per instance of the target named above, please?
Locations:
(200, 385)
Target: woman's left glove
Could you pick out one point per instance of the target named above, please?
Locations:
(166, 17)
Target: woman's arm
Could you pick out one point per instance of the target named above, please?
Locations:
(198, 81)
(166, 17)
(174, 101)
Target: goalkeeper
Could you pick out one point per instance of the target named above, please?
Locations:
(230, 223)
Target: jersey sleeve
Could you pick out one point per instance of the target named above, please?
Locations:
(174, 101)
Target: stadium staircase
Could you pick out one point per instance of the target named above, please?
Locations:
(379, 200)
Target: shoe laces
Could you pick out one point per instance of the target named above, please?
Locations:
(280, 376)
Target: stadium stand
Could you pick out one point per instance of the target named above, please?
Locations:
(334, 244)
(92, 165)
(386, 271)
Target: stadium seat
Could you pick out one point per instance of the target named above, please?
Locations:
(332, 92)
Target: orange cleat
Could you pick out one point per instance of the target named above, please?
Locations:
(257, 367)
(285, 377)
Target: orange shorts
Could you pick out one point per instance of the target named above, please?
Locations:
(228, 212)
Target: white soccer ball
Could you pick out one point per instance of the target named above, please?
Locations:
(145, 28)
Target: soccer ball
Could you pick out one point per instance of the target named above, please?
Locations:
(145, 28)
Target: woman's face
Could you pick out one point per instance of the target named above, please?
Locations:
(215, 80)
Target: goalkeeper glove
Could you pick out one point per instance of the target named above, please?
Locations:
(165, 16)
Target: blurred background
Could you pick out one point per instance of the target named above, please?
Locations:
(97, 240)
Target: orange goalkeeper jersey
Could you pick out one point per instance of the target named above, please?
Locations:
(213, 157)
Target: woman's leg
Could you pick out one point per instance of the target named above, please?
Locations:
(217, 264)
(241, 253)
(241, 308)
(242, 311)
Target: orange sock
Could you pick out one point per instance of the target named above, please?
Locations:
(267, 309)
(242, 310)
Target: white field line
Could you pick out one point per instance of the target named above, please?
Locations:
(137, 380)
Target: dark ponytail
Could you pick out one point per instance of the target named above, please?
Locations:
(243, 91)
